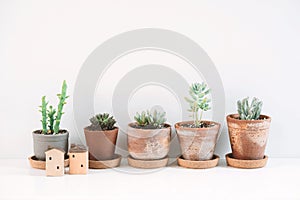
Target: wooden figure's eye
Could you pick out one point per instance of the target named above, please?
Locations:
(57, 167)
(73, 156)
(50, 158)
(81, 165)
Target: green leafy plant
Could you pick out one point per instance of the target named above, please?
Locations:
(52, 116)
(149, 119)
(249, 111)
(102, 122)
(198, 101)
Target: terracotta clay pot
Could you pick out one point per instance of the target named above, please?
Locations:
(197, 143)
(101, 144)
(42, 142)
(148, 144)
(248, 138)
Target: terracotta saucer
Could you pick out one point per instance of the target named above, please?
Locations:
(201, 164)
(104, 164)
(147, 164)
(41, 164)
(245, 164)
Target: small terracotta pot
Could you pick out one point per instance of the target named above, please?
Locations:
(42, 142)
(101, 144)
(148, 144)
(197, 143)
(248, 138)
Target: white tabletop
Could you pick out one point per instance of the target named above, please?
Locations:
(278, 180)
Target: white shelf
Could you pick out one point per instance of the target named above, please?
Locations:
(278, 180)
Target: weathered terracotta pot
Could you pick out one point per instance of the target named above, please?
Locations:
(248, 138)
(197, 143)
(42, 142)
(147, 144)
(101, 144)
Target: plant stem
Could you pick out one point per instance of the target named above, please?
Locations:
(201, 112)
(197, 122)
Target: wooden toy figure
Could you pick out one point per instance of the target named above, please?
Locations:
(79, 161)
(55, 162)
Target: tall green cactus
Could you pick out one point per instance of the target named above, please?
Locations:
(44, 114)
(62, 97)
(48, 115)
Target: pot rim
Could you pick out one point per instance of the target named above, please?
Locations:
(66, 132)
(177, 125)
(106, 131)
(166, 126)
(232, 118)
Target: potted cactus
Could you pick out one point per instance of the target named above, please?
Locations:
(197, 138)
(149, 140)
(51, 136)
(248, 132)
(101, 137)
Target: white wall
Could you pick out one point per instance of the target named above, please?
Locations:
(255, 46)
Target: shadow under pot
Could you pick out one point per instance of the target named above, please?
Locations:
(248, 138)
(43, 142)
(101, 144)
(197, 144)
(148, 144)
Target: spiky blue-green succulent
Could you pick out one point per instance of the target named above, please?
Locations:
(198, 101)
(102, 122)
(154, 119)
(249, 111)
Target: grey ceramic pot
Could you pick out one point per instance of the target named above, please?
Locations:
(41, 143)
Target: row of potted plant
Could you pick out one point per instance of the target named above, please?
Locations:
(149, 136)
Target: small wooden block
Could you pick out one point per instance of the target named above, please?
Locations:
(55, 162)
(78, 156)
(246, 164)
(104, 164)
(147, 164)
(202, 164)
